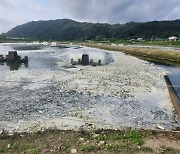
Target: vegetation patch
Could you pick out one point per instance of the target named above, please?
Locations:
(99, 141)
(87, 148)
(155, 55)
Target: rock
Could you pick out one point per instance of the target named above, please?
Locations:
(41, 112)
(81, 139)
(101, 143)
(160, 127)
(9, 146)
(73, 150)
(96, 135)
(65, 125)
(3, 132)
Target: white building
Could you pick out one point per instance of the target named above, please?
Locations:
(172, 38)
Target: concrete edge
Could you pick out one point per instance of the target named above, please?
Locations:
(173, 95)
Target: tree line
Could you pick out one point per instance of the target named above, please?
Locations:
(67, 29)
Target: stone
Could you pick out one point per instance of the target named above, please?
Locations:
(96, 135)
(9, 146)
(160, 127)
(73, 150)
(81, 139)
(101, 143)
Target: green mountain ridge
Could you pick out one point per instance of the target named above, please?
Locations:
(67, 29)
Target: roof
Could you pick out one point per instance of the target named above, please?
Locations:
(172, 38)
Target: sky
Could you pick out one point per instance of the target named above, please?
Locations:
(17, 12)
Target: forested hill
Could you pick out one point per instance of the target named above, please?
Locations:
(66, 29)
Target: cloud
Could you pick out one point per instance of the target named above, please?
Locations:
(15, 12)
(120, 11)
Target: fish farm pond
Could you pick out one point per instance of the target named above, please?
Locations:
(49, 92)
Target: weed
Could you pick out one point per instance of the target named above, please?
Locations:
(87, 148)
(34, 151)
(147, 149)
(48, 144)
(65, 145)
(21, 147)
(168, 150)
(84, 133)
(135, 136)
(132, 135)
(98, 131)
(2, 150)
(100, 137)
(114, 147)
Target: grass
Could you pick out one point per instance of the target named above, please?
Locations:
(2, 150)
(150, 43)
(48, 144)
(149, 54)
(99, 141)
(113, 147)
(87, 148)
(65, 145)
(132, 135)
(168, 150)
(21, 147)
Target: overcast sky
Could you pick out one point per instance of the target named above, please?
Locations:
(16, 12)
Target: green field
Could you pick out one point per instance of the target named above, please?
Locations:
(149, 54)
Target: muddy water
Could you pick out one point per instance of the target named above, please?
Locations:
(123, 92)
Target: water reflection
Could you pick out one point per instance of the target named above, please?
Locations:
(15, 65)
(175, 80)
(27, 47)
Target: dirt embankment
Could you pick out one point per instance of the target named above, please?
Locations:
(150, 54)
(99, 141)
